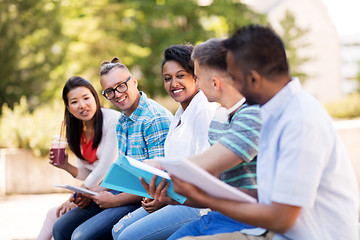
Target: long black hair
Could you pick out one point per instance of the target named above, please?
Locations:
(75, 126)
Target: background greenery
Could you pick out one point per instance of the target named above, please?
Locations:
(44, 42)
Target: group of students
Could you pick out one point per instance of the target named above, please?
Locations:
(268, 138)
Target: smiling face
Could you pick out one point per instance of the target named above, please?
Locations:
(179, 84)
(128, 100)
(81, 103)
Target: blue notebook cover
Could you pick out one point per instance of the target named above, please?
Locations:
(122, 176)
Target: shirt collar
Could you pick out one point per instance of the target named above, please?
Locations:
(188, 114)
(137, 112)
(278, 102)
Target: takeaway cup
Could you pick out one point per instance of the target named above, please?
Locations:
(58, 145)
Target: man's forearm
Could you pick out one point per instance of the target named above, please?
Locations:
(275, 217)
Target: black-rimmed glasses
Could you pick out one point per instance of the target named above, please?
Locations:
(122, 87)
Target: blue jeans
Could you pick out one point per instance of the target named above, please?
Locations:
(210, 224)
(89, 223)
(160, 224)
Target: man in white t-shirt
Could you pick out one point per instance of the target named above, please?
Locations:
(306, 185)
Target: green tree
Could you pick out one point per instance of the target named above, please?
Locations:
(45, 42)
(31, 47)
(143, 29)
(292, 35)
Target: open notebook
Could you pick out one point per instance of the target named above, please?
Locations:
(125, 173)
(188, 171)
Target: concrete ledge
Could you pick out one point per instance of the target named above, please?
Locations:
(23, 173)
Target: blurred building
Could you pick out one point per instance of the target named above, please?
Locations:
(324, 67)
(350, 55)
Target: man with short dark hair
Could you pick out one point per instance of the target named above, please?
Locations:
(306, 185)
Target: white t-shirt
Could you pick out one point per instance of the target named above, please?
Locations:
(302, 162)
(107, 151)
(191, 136)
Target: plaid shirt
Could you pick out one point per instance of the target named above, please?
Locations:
(142, 134)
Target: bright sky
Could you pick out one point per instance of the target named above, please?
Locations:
(345, 15)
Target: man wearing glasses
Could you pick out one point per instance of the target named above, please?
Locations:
(141, 134)
(143, 127)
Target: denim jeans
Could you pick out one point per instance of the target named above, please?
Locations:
(90, 223)
(210, 224)
(157, 225)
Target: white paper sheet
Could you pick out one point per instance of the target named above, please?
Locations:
(190, 172)
(76, 189)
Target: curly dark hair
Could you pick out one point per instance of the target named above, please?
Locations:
(180, 54)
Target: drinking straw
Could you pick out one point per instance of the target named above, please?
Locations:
(62, 123)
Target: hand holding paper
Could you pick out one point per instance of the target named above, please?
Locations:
(188, 171)
(158, 192)
(197, 197)
(151, 205)
(105, 199)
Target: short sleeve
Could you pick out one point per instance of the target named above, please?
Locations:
(242, 138)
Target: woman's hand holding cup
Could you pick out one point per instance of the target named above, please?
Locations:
(57, 155)
(53, 162)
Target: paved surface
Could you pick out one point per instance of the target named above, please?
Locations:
(21, 216)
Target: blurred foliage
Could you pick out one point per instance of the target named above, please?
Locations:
(138, 32)
(21, 129)
(31, 47)
(347, 107)
(44, 42)
(293, 35)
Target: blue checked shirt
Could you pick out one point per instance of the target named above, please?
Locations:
(142, 134)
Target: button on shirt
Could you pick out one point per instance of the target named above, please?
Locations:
(142, 134)
(302, 162)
